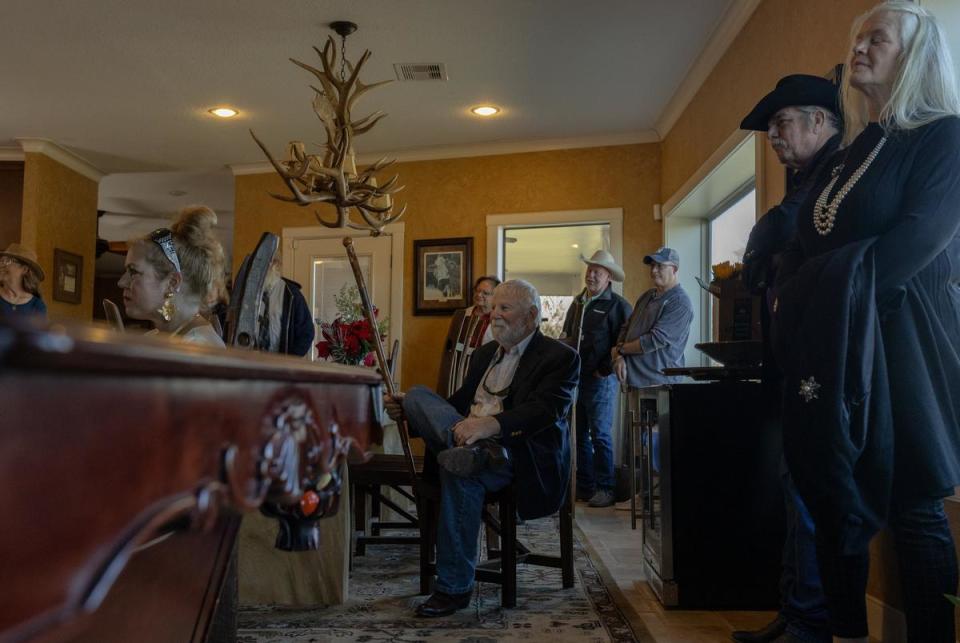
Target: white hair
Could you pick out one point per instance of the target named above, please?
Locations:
(830, 117)
(924, 88)
(525, 292)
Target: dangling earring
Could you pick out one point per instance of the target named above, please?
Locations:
(168, 309)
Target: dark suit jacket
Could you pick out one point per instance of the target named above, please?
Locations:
(533, 424)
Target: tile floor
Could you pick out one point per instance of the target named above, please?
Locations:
(609, 533)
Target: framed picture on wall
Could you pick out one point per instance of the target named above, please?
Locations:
(443, 274)
(67, 276)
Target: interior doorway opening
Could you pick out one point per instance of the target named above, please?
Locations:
(549, 257)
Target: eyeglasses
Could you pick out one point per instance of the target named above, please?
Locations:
(502, 393)
(5, 261)
(164, 238)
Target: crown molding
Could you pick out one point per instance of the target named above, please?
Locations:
(494, 148)
(720, 40)
(11, 154)
(61, 155)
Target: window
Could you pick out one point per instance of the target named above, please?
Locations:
(730, 229)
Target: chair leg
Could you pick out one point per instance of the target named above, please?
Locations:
(359, 517)
(508, 552)
(428, 535)
(566, 541)
(375, 510)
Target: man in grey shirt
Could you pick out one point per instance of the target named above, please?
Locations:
(655, 336)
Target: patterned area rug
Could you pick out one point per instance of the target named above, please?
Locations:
(383, 591)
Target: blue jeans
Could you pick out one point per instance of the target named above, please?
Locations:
(594, 444)
(801, 594)
(461, 499)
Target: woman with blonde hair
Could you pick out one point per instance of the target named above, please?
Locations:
(20, 277)
(867, 326)
(173, 275)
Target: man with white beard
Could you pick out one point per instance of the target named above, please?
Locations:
(508, 422)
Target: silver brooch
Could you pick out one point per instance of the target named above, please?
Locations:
(808, 389)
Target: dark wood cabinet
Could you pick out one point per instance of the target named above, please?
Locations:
(713, 524)
(126, 463)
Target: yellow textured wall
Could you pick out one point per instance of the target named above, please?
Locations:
(782, 37)
(451, 198)
(60, 211)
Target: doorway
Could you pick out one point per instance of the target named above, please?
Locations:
(550, 258)
(316, 259)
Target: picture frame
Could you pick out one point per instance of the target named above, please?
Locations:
(67, 276)
(443, 275)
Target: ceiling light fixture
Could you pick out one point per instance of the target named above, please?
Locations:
(574, 245)
(485, 110)
(223, 112)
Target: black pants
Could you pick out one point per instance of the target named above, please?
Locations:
(928, 570)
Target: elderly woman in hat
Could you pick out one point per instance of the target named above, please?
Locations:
(867, 326)
(20, 277)
(173, 275)
(592, 325)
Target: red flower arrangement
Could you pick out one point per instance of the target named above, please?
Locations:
(349, 339)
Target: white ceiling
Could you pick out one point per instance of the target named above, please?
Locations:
(125, 84)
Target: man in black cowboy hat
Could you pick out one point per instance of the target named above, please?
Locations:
(801, 120)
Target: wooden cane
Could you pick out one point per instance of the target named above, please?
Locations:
(385, 371)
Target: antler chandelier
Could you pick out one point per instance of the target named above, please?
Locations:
(330, 176)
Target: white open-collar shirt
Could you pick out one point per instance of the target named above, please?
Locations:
(498, 378)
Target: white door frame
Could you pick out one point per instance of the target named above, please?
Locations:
(497, 222)
(395, 231)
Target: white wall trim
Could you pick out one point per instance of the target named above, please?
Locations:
(720, 40)
(709, 166)
(497, 222)
(396, 233)
(11, 154)
(493, 148)
(61, 155)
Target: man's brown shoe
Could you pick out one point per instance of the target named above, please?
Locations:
(470, 460)
(440, 604)
(766, 634)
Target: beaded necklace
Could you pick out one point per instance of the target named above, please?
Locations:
(824, 212)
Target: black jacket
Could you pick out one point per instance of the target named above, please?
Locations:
(297, 329)
(768, 239)
(838, 438)
(534, 423)
(602, 321)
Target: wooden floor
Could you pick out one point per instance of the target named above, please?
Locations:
(608, 532)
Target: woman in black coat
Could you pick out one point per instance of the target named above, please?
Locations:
(867, 325)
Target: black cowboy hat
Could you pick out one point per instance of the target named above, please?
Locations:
(794, 90)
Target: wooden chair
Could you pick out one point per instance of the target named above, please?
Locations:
(501, 564)
(367, 480)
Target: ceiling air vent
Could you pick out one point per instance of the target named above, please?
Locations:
(420, 71)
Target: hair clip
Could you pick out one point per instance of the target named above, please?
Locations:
(164, 238)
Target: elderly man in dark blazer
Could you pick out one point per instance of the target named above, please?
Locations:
(508, 422)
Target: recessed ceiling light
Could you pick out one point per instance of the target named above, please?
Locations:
(223, 112)
(574, 245)
(485, 110)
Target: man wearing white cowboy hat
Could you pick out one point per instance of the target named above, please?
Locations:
(20, 277)
(592, 325)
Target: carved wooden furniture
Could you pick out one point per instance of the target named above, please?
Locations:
(501, 564)
(126, 462)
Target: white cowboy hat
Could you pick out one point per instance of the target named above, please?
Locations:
(604, 259)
